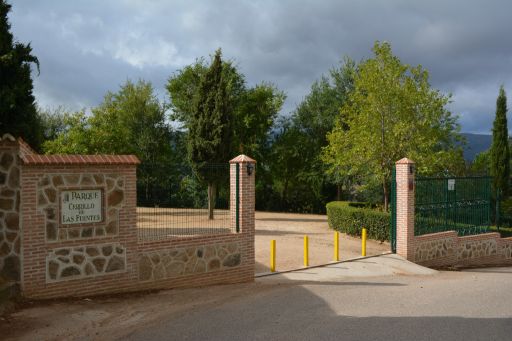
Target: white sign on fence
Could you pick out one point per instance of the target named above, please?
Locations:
(81, 206)
(451, 184)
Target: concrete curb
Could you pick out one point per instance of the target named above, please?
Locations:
(265, 274)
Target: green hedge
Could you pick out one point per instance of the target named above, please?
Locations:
(344, 217)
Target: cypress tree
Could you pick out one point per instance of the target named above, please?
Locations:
(500, 154)
(209, 137)
(18, 114)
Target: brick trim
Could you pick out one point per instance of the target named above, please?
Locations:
(35, 159)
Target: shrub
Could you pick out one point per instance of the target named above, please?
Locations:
(506, 213)
(344, 217)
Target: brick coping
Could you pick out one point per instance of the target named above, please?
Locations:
(36, 159)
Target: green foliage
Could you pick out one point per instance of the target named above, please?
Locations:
(52, 122)
(500, 154)
(252, 114)
(130, 121)
(253, 109)
(17, 103)
(343, 217)
(210, 132)
(298, 178)
(481, 163)
(209, 128)
(73, 137)
(506, 207)
(392, 113)
(505, 232)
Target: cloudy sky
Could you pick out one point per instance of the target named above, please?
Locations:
(89, 47)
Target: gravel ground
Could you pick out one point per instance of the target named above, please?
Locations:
(289, 229)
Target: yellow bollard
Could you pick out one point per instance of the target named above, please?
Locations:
(363, 243)
(306, 251)
(336, 246)
(272, 255)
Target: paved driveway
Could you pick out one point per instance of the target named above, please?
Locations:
(379, 298)
(470, 305)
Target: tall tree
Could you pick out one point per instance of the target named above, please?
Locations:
(17, 103)
(392, 113)
(500, 154)
(254, 111)
(209, 136)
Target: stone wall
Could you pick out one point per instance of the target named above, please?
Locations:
(446, 249)
(187, 261)
(10, 242)
(431, 249)
(62, 260)
(85, 261)
(106, 256)
(477, 249)
(48, 189)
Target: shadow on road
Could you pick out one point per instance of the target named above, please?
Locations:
(295, 313)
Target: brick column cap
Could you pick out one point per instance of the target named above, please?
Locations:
(242, 159)
(404, 161)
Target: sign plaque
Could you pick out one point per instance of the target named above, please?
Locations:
(81, 206)
(451, 184)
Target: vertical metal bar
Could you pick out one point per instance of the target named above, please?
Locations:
(446, 204)
(237, 201)
(498, 204)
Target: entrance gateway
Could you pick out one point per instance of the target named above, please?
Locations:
(460, 204)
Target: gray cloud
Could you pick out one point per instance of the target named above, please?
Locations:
(88, 47)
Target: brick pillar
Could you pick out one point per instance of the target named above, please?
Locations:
(405, 208)
(246, 200)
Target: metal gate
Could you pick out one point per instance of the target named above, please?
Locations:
(392, 233)
(461, 204)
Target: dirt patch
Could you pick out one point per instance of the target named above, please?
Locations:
(114, 317)
(289, 229)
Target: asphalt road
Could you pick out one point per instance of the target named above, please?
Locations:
(328, 305)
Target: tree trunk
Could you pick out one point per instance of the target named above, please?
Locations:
(283, 196)
(212, 197)
(386, 196)
(338, 194)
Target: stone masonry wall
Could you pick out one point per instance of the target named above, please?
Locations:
(434, 249)
(76, 260)
(48, 192)
(107, 257)
(186, 261)
(10, 242)
(446, 249)
(85, 261)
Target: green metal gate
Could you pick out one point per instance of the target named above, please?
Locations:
(392, 233)
(461, 204)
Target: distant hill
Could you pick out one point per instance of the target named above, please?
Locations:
(476, 143)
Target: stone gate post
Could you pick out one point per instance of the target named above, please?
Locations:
(405, 208)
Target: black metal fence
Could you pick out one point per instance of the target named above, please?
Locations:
(186, 204)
